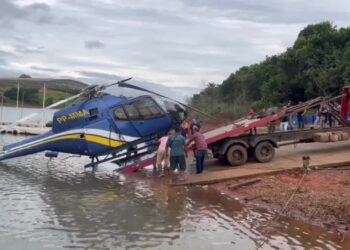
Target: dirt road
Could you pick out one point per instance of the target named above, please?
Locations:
(287, 157)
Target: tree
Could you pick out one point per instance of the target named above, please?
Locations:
(24, 76)
(317, 64)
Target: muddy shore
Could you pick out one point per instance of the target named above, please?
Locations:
(323, 197)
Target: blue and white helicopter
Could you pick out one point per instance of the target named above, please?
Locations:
(106, 127)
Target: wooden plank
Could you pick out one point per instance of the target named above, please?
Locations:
(241, 173)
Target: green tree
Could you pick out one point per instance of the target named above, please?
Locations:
(317, 64)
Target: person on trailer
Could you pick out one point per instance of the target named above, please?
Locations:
(272, 125)
(300, 117)
(284, 122)
(290, 116)
(317, 117)
(251, 114)
(330, 120)
(176, 144)
(162, 162)
(324, 112)
(201, 148)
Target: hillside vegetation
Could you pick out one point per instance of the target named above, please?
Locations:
(31, 90)
(317, 64)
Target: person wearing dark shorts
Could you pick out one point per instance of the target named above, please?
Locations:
(176, 144)
(178, 162)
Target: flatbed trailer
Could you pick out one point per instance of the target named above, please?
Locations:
(236, 150)
(234, 143)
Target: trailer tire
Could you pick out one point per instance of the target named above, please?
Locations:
(236, 155)
(264, 152)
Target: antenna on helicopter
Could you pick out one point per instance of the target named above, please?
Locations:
(128, 85)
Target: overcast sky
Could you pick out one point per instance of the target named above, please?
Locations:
(180, 44)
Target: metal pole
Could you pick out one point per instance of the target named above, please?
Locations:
(44, 100)
(2, 105)
(17, 99)
(22, 103)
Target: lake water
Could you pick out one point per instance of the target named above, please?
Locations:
(12, 114)
(59, 205)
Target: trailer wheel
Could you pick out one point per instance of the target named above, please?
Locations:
(236, 155)
(264, 152)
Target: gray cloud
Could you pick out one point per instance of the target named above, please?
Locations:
(179, 93)
(38, 7)
(99, 75)
(10, 12)
(21, 48)
(4, 54)
(44, 69)
(94, 44)
(180, 44)
(274, 11)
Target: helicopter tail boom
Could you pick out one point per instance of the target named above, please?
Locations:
(33, 145)
(76, 141)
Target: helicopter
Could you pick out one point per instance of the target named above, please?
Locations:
(105, 127)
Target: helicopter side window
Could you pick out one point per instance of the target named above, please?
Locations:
(93, 113)
(120, 114)
(148, 109)
(132, 112)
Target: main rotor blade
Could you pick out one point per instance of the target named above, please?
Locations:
(83, 92)
(48, 107)
(116, 83)
(63, 101)
(128, 85)
(23, 119)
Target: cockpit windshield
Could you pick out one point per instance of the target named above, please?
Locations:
(142, 109)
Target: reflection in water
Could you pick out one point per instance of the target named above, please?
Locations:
(61, 206)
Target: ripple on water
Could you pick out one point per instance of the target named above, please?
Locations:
(60, 205)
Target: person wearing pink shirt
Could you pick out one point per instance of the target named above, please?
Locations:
(162, 159)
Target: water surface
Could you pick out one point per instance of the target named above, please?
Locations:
(12, 114)
(59, 205)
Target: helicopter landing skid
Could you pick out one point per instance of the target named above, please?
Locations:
(124, 160)
(136, 162)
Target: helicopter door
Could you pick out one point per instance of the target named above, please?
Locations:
(125, 127)
(147, 117)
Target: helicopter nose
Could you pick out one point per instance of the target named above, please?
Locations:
(176, 111)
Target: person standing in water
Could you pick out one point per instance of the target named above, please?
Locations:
(162, 158)
(176, 144)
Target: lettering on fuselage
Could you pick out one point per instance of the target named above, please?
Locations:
(73, 116)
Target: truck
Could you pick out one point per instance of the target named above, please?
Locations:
(235, 142)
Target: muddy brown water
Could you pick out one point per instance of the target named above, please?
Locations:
(61, 206)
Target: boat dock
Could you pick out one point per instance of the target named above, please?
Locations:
(26, 129)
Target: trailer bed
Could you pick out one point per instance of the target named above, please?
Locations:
(239, 127)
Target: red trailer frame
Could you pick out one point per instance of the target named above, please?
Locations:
(239, 135)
